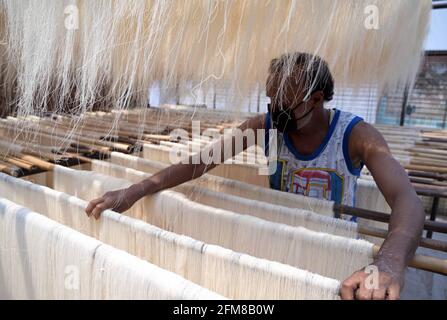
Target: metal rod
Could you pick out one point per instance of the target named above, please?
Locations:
(404, 107)
(439, 5)
(434, 226)
(433, 214)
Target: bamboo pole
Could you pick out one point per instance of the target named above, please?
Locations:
(434, 226)
(424, 242)
(434, 176)
(19, 163)
(39, 163)
(432, 191)
(81, 158)
(8, 170)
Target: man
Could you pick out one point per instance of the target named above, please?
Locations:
(320, 153)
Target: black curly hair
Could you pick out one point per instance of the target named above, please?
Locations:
(312, 69)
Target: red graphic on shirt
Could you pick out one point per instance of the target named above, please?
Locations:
(312, 183)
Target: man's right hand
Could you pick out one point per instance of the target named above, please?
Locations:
(119, 201)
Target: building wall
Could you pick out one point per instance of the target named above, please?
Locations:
(427, 101)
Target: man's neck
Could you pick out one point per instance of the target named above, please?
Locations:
(317, 124)
(310, 137)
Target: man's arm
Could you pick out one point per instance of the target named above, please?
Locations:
(406, 221)
(174, 175)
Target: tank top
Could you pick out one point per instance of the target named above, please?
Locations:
(327, 173)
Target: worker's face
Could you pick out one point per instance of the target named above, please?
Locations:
(291, 105)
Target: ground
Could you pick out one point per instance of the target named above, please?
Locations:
(425, 285)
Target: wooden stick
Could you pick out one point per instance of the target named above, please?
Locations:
(157, 137)
(426, 168)
(81, 158)
(425, 242)
(435, 176)
(20, 163)
(8, 170)
(428, 182)
(86, 147)
(431, 193)
(434, 226)
(39, 163)
(17, 157)
(422, 187)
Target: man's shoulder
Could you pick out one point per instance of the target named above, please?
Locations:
(364, 132)
(348, 115)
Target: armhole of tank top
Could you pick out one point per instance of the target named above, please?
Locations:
(331, 115)
(266, 134)
(354, 171)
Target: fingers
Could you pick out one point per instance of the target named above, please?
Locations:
(100, 208)
(350, 286)
(379, 294)
(110, 200)
(393, 292)
(92, 204)
(362, 292)
(355, 288)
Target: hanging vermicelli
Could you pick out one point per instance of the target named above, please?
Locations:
(108, 53)
(369, 197)
(231, 274)
(263, 210)
(46, 260)
(337, 257)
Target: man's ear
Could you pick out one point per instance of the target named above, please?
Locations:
(317, 97)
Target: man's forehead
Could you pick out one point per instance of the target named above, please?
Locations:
(297, 74)
(289, 82)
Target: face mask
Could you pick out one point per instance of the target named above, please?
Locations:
(284, 119)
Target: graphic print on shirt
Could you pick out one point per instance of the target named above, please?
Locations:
(326, 174)
(321, 183)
